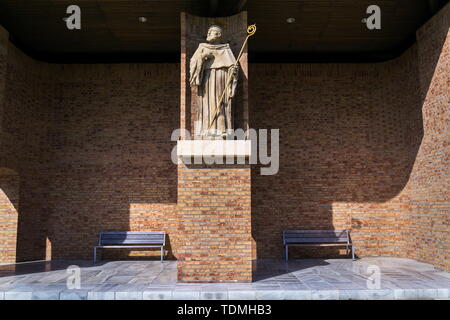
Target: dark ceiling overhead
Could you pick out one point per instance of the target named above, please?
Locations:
(324, 30)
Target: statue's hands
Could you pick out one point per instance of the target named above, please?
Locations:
(234, 70)
(206, 56)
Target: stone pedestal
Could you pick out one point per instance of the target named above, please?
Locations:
(218, 149)
(214, 200)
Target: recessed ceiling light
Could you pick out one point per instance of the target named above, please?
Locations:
(142, 19)
(290, 20)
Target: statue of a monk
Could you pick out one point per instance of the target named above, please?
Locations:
(210, 67)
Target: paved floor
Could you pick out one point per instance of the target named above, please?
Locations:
(367, 278)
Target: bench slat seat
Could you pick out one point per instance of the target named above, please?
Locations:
(324, 240)
(131, 239)
(128, 246)
(306, 232)
(317, 238)
(143, 241)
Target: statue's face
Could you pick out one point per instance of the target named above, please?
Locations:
(213, 35)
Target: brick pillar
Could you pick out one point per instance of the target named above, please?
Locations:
(214, 201)
(215, 224)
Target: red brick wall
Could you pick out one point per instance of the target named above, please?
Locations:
(111, 167)
(344, 155)
(25, 118)
(4, 42)
(363, 147)
(92, 151)
(9, 182)
(428, 187)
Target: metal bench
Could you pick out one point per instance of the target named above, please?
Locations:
(317, 238)
(131, 240)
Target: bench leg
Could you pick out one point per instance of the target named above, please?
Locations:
(353, 252)
(95, 255)
(286, 254)
(162, 253)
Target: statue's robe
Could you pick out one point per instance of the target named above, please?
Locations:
(210, 76)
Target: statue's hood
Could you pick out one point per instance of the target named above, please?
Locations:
(223, 56)
(215, 46)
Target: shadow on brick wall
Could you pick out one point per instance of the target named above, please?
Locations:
(105, 159)
(349, 134)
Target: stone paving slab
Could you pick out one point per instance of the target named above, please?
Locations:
(311, 279)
